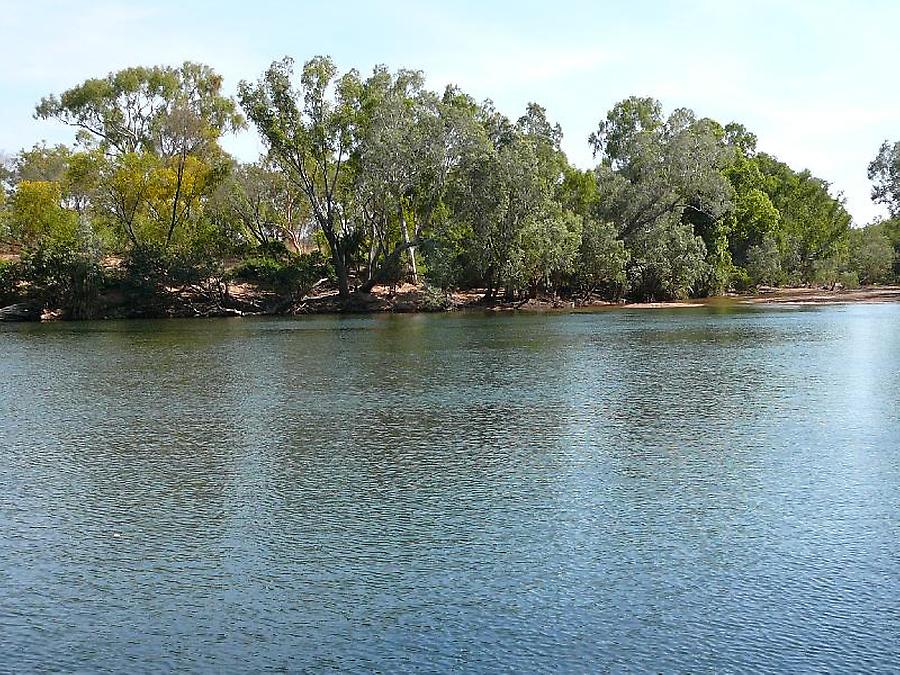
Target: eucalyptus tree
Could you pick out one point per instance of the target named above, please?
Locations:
(659, 179)
(400, 161)
(265, 206)
(754, 216)
(884, 172)
(652, 168)
(814, 224)
(371, 157)
(872, 254)
(602, 259)
(506, 193)
(312, 131)
(156, 109)
(158, 129)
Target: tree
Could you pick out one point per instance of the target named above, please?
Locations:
(159, 126)
(314, 138)
(667, 262)
(661, 183)
(267, 208)
(754, 216)
(155, 110)
(814, 224)
(872, 255)
(763, 262)
(505, 194)
(409, 145)
(36, 213)
(602, 259)
(549, 249)
(884, 172)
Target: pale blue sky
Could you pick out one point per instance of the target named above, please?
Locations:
(816, 80)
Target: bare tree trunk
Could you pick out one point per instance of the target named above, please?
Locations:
(338, 260)
(179, 181)
(411, 249)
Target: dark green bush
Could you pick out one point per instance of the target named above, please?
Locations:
(66, 277)
(10, 276)
(292, 278)
(149, 270)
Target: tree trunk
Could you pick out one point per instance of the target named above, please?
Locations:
(412, 249)
(337, 259)
(340, 271)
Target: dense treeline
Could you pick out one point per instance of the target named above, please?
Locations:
(377, 180)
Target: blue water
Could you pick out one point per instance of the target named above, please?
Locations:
(686, 490)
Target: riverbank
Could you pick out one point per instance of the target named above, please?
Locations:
(237, 300)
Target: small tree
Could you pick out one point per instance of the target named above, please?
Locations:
(601, 259)
(764, 263)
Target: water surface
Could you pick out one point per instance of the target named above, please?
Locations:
(704, 490)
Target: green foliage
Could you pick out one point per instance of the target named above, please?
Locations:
(392, 181)
(814, 225)
(667, 263)
(312, 137)
(149, 272)
(848, 279)
(65, 275)
(154, 158)
(828, 272)
(436, 299)
(35, 213)
(145, 109)
(754, 216)
(10, 278)
(763, 264)
(294, 277)
(448, 256)
(602, 259)
(872, 255)
(884, 172)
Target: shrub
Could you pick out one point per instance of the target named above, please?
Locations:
(740, 280)
(764, 263)
(848, 279)
(436, 300)
(64, 276)
(602, 258)
(667, 263)
(149, 269)
(292, 278)
(10, 277)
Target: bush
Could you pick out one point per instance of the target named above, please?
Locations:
(274, 249)
(149, 270)
(436, 300)
(10, 277)
(764, 263)
(848, 279)
(740, 280)
(293, 278)
(667, 263)
(871, 255)
(602, 258)
(64, 276)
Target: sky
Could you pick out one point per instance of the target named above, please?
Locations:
(816, 80)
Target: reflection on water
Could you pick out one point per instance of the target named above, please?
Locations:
(692, 489)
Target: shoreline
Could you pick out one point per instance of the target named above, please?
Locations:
(243, 301)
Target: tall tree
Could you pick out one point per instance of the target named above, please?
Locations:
(660, 181)
(166, 120)
(314, 138)
(884, 172)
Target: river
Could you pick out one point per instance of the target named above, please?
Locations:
(709, 489)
